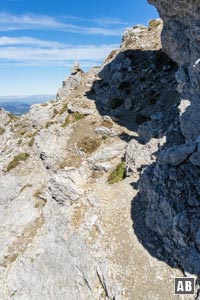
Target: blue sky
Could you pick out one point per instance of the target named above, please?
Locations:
(41, 39)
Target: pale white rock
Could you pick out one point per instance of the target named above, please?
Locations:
(108, 152)
(40, 114)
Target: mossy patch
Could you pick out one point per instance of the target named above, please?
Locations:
(118, 174)
(16, 161)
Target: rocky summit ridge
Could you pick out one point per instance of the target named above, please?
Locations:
(99, 188)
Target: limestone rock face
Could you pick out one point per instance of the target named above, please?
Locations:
(169, 188)
(142, 37)
(71, 82)
(180, 40)
(39, 114)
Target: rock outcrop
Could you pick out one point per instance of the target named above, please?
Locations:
(169, 188)
(180, 40)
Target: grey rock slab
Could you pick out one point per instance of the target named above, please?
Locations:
(64, 189)
(10, 186)
(39, 114)
(195, 158)
(176, 155)
(139, 156)
(105, 131)
(108, 152)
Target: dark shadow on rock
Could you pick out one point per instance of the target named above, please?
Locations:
(166, 214)
(150, 241)
(137, 89)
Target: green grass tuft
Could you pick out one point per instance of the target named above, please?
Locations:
(118, 174)
(78, 116)
(71, 118)
(16, 161)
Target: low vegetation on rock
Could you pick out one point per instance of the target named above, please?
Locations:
(16, 161)
(2, 130)
(118, 174)
(71, 118)
(89, 145)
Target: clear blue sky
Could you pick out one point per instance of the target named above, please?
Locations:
(40, 39)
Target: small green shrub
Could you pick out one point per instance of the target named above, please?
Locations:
(16, 161)
(118, 174)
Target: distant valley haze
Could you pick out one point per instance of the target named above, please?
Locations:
(19, 105)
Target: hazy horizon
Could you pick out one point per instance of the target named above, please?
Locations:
(20, 98)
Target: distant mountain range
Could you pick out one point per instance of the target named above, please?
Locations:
(19, 105)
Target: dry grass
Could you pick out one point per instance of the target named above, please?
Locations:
(31, 135)
(154, 23)
(71, 118)
(89, 145)
(2, 130)
(44, 104)
(107, 123)
(63, 109)
(12, 117)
